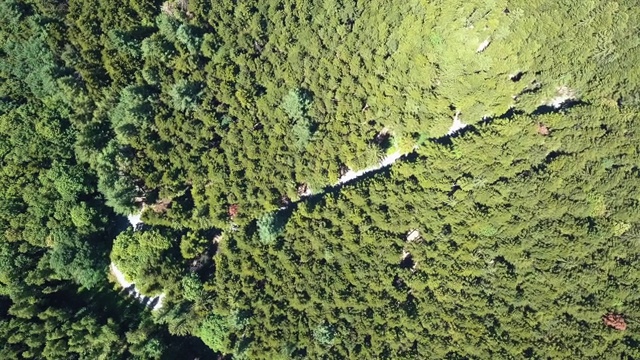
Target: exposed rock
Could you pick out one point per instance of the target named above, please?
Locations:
(382, 136)
(199, 262)
(135, 219)
(285, 201)
(343, 170)
(258, 46)
(168, 7)
(161, 206)
(217, 238)
(304, 190)
(171, 7)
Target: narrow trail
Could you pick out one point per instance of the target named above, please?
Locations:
(135, 219)
(352, 175)
(564, 96)
(388, 160)
(155, 302)
(348, 177)
(456, 126)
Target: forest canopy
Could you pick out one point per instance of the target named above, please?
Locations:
(320, 179)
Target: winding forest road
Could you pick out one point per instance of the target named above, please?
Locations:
(351, 175)
(135, 219)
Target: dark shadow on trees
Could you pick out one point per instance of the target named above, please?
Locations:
(117, 225)
(446, 140)
(547, 109)
(407, 262)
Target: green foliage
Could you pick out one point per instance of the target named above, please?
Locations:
(84, 217)
(143, 257)
(267, 229)
(192, 245)
(368, 158)
(239, 319)
(323, 334)
(192, 288)
(215, 114)
(68, 181)
(238, 106)
(185, 95)
(504, 220)
(132, 118)
(188, 36)
(214, 332)
(156, 48)
(295, 105)
(116, 186)
(55, 302)
(167, 26)
(75, 260)
(123, 42)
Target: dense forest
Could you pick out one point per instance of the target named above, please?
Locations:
(320, 179)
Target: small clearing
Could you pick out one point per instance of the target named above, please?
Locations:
(413, 235)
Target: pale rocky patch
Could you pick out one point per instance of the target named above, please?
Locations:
(483, 45)
(457, 124)
(563, 95)
(413, 235)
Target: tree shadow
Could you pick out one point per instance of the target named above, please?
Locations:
(549, 109)
(407, 262)
(118, 224)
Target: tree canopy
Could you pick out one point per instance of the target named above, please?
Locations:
(320, 179)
